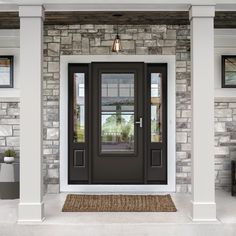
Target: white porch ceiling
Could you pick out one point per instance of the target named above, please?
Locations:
(123, 5)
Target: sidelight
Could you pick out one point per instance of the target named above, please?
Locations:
(156, 103)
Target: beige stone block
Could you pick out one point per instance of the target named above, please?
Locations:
(66, 40)
(168, 50)
(181, 137)
(141, 50)
(53, 67)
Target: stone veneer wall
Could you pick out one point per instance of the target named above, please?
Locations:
(225, 142)
(9, 127)
(97, 39)
(141, 40)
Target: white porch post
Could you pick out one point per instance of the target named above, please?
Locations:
(202, 79)
(31, 206)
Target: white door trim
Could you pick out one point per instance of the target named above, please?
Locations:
(171, 159)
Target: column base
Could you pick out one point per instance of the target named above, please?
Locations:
(203, 211)
(30, 212)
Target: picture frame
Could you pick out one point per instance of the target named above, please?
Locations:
(6, 71)
(228, 71)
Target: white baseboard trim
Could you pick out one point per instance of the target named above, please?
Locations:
(203, 211)
(30, 213)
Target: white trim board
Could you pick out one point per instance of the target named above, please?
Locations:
(225, 38)
(9, 38)
(64, 60)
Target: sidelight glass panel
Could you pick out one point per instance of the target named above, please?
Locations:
(79, 112)
(117, 113)
(156, 115)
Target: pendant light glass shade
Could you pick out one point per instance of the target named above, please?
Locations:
(116, 47)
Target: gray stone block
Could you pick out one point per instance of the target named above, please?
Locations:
(52, 133)
(150, 43)
(141, 50)
(13, 141)
(99, 50)
(220, 127)
(53, 32)
(2, 142)
(5, 130)
(85, 45)
(126, 44)
(171, 34)
(223, 113)
(53, 49)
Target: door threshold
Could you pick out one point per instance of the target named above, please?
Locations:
(137, 188)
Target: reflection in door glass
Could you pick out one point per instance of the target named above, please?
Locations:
(79, 112)
(156, 115)
(117, 113)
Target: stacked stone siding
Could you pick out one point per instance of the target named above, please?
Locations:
(136, 40)
(9, 127)
(97, 40)
(183, 111)
(225, 142)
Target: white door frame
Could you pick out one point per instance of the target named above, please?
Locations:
(171, 125)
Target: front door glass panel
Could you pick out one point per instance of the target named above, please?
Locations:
(156, 109)
(117, 113)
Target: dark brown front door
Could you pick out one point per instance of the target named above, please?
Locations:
(117, 120)
(117, 123)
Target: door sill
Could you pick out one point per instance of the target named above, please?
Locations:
(100, 188)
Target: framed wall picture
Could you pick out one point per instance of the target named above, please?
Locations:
(228, 71)
(6, 71)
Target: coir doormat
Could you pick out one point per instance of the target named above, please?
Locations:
(118, 203)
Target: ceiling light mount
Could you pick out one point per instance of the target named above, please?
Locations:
(117, 15)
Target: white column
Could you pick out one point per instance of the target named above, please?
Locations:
(31, 207)
(202, 80)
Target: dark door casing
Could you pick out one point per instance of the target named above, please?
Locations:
(88, 163)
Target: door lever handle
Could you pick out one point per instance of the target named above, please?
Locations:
(140, 122)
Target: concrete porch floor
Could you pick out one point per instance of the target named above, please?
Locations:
(103, 224)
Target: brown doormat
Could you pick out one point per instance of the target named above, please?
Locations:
(118, 203)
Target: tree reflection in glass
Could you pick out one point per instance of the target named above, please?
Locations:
(117, 113)
(156, 115)
(79, 100)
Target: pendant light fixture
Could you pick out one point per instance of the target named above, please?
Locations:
(116, 46)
